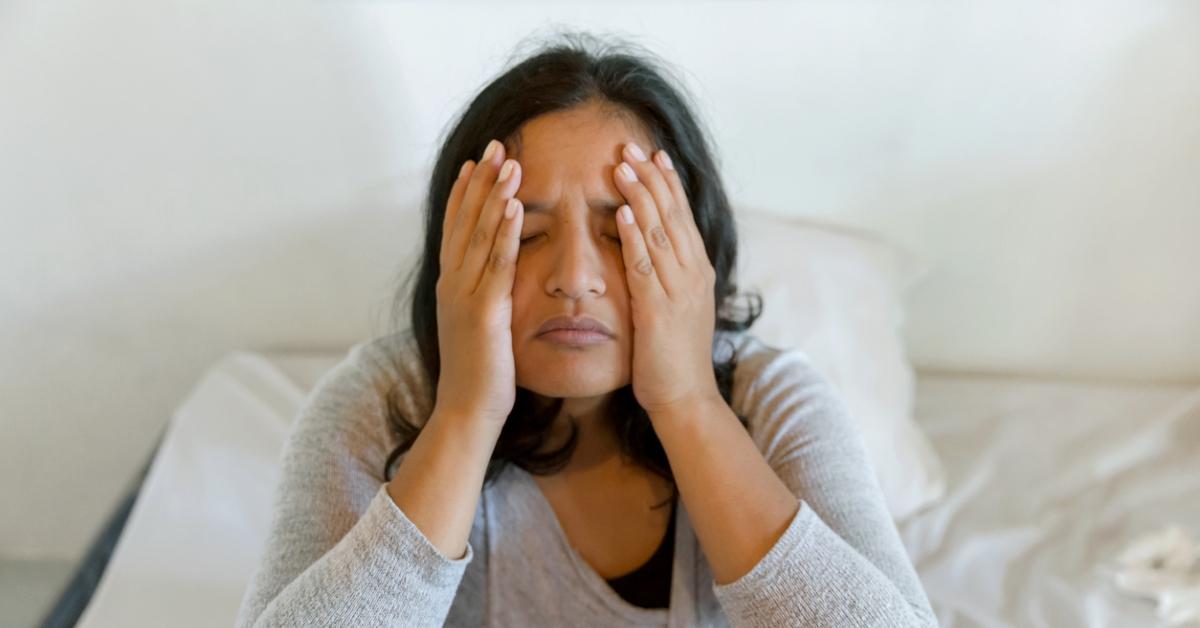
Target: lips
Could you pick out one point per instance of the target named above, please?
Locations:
(576, 323)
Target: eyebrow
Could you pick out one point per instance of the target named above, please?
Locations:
(597, 206)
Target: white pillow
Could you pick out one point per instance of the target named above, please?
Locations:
(835, 293)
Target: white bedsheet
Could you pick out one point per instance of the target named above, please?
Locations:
(1046, 481)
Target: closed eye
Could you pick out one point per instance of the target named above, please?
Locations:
(616, 239)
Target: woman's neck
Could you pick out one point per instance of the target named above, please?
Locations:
(596, 444)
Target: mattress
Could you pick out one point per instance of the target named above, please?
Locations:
(1047, 479)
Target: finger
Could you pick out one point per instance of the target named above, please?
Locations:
(675, 183)
(482, 180)
(658, 243)
(484, 235)
(502, 263)
(639, 267)
(452, 207)
(669, 210)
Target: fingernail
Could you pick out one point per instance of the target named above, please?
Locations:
(463, 170)
(627, 171)
(491, 150)
(510, 209)
(506, 170)
(626, 214)
(666, 160)
(635, 151)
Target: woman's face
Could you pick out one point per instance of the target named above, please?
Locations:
(570, 257)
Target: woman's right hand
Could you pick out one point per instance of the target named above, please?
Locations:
(474, 289)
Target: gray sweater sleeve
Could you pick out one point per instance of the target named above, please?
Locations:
(841, 561)
(339, 551)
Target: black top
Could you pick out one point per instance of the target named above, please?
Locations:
(649, 586)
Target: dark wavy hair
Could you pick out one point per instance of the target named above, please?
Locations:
(571, 70)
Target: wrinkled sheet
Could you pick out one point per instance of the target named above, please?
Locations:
(1046, 481)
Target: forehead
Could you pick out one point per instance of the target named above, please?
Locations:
(574, 151)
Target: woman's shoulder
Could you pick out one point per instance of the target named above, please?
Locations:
(377, 371)
(779, 389)
(759, 364)
(393, 363)
(388, 356)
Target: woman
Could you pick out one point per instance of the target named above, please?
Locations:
(580, 433)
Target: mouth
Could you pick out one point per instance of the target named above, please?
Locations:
(575, 337)
(575, 330)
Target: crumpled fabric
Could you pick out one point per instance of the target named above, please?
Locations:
(1162, 565)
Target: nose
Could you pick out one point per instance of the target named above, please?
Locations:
(579, 264)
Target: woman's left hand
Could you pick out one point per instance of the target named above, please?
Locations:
(670, 282)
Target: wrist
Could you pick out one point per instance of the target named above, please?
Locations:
(466, 425)
(688, 408)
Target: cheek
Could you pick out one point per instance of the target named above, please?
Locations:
(616, 280)
(522, 295)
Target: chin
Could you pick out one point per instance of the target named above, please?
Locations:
(567, 390)
(567, 371)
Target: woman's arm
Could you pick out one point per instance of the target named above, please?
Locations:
(340, 551)
(823, 552)
(440, 478)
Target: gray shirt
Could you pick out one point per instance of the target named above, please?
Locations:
(341, 553)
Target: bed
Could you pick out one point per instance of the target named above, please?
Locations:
(1048, 479)
(251, 174)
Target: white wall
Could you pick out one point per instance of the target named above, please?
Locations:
(178, 179)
